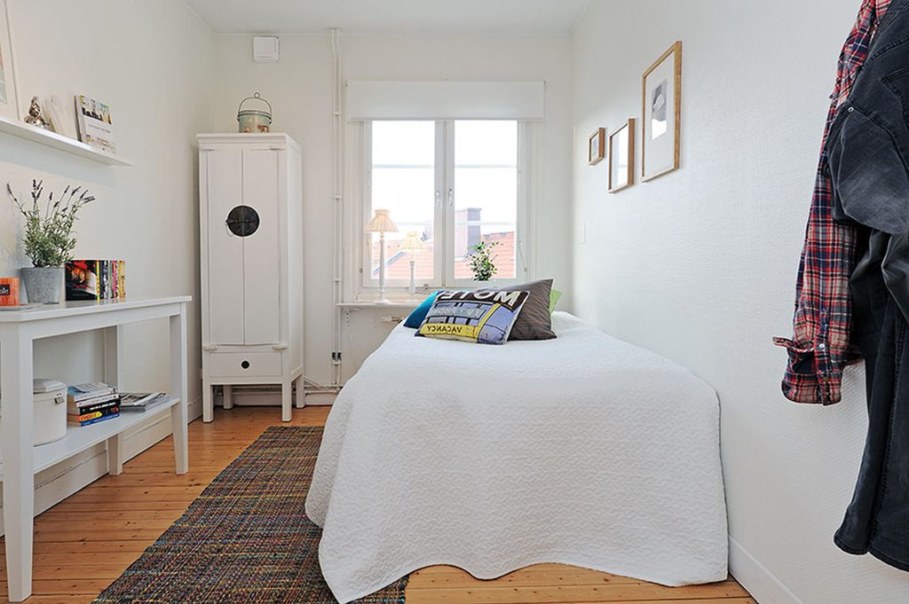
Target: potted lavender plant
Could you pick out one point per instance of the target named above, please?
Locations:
(48, 239)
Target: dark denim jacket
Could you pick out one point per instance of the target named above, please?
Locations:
(868, 150)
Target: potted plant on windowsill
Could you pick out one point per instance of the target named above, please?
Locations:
(48, 239)
(482, 260)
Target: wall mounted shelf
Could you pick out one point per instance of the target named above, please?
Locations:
(60, 142)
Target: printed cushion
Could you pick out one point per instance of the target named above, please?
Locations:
(415, 318)
(535, 322)
(484, 317)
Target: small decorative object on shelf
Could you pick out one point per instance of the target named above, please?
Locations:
(481, 260)
(35, 116)
(48, 239)
(254, 120)
(95, 124)
(56, 118)
(9, 291)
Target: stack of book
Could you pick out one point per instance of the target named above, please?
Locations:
(95, 279)
(91, 403)
(139, 402)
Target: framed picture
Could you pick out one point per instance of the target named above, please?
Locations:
(621, 157)
(596, 147)
(9, 107)
(662, 113)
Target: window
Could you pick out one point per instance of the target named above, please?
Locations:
(452, 184)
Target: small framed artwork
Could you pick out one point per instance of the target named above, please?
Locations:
(596, 147)
(621, 157)
(9, 107)
(662, 114)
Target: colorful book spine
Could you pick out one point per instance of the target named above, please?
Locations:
(95, 280)
(98, 420)
(90, 418)
(72, 409)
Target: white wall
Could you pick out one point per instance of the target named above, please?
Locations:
(300, 89)
(150, 61)
(700, 265)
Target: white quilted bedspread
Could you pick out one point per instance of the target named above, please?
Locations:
(583, 450)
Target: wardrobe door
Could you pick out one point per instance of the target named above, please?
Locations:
(225, 250)
(262, 249)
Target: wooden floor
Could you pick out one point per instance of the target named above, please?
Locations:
(88, 540)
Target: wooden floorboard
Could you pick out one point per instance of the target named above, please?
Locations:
(77, 555)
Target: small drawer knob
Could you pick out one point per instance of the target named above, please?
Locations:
(245, 364)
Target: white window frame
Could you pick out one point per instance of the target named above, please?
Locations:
(444, 215)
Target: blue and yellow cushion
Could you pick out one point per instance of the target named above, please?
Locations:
(484, 317)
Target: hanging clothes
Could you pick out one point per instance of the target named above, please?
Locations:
(821, 348)
(868, 155)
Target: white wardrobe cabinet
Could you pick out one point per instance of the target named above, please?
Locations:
(251, 222)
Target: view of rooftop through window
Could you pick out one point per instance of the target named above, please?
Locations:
(406, 175)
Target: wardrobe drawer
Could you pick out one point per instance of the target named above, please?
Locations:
(242, 364)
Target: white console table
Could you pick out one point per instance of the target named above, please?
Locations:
(21, 460)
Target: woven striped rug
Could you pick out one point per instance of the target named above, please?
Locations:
(246, 539)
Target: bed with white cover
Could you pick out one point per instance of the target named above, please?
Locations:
(582, 450)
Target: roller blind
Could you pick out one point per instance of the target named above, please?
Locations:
(378, 100)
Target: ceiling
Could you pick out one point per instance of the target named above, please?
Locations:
(389, 16)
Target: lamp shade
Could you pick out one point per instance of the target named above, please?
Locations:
(412, 243)
(381, 223)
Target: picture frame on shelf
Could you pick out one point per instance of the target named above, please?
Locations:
(596, 147)
(9, 104)
(95, 125)
(621, 157)
(661, 114)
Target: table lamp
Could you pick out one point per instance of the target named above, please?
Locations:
(381, 224)
(413, 244)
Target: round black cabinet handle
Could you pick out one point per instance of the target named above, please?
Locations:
(245, 364)
(242, 221)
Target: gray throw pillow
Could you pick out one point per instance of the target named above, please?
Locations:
(534, 322)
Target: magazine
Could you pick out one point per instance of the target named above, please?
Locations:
(140, 401)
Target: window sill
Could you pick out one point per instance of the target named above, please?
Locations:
(393, 304)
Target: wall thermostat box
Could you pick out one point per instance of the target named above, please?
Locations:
(265, 49)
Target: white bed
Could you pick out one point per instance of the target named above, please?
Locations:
(583, 450)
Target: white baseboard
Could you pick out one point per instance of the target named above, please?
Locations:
(58, 482)
(322, 399)
(273, 399)
(756, 578)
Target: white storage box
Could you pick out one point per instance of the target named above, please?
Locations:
(50, 410)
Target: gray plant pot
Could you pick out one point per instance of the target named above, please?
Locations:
(43, 285)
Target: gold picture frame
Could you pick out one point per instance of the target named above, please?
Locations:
(621, 157)
(661, 114)
(596, 147)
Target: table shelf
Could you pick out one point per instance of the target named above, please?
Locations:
(60, 142)
(82, 438)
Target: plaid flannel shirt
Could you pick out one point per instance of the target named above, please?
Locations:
(820, 348)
